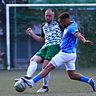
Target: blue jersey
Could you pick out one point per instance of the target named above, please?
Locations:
(69, 40)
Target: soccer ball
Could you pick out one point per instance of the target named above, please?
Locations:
(20, 86)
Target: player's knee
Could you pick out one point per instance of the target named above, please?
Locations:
(49, 67)
(43, 66)
(71, 76)
(45, 63)
(31, 59)
(36, 59)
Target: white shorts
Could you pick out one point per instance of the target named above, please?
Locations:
(64, 58)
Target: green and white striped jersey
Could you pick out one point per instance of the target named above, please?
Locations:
(51, 33)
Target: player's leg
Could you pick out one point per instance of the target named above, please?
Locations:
(38, 77)
(56, 61)
(70, 67)
(33, 65)
(50, 52)
(77, 76)
(44, 88)
(34, 61)
(46, 79)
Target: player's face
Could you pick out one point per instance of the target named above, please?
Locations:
(49, 16)
(62, 22)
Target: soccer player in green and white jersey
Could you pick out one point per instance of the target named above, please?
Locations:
(51, 35)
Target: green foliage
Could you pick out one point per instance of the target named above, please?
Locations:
(87, 54)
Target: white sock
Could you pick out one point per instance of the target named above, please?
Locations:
(31, 69)
(46, 80)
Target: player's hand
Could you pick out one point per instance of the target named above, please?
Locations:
(29, 31)
(88, 42)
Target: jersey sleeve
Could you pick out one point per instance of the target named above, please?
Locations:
(73, 29)
(42, 33)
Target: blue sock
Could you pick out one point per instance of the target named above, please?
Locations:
(84, 79)
(37, 78)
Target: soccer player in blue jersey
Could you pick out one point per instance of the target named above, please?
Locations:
(67, 54)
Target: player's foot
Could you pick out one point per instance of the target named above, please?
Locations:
(93, 84)
(29, 82)
(43, 89)
(17, 79)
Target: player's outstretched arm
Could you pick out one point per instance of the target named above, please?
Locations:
(30, 32)
(82, 38)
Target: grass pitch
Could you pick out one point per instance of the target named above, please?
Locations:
(59, 84)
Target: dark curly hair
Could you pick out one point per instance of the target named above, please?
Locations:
(64, 15)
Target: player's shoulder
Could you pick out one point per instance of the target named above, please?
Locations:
(56, 22)
(72, 24)
(43, 24)
(73, 27)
